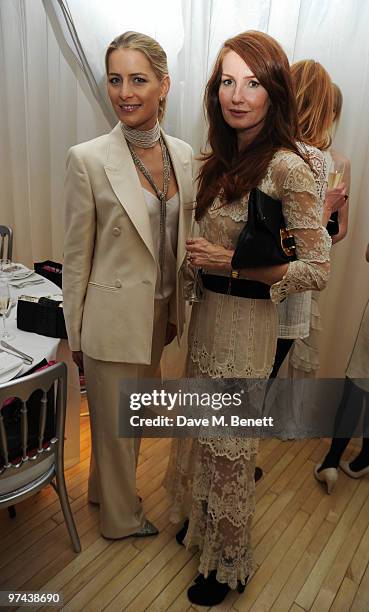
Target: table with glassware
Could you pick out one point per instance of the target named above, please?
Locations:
(31, 348)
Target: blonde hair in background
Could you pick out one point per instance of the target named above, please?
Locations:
(314, 96)
(151, 49)
(337, 103)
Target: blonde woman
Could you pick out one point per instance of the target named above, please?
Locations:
(315, 104)
(339, 158)
(353, 405)
(298, 314)
(126, 223)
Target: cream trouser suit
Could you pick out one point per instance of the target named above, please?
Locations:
(111, 315)
(112, 481)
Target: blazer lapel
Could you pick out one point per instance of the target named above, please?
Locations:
(122, 175)
(182, 170)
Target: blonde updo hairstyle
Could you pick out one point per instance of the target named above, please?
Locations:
(151, 49)
(314, 97)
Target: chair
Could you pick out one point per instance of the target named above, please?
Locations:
(31, 458)
(6, 232)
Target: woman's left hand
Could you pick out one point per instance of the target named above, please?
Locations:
(213, 257)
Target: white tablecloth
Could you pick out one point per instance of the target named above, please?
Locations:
(41, 347)
(38, 347)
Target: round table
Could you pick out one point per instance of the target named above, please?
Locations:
(42, 347)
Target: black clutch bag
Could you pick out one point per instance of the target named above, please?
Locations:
(264, 240)
(44, 317)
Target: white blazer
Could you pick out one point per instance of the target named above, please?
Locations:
(109, 271)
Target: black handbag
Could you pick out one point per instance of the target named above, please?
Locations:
(264, 240)
(44, 317)
(333, 225)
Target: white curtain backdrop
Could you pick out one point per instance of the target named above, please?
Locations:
(45, 107)
(52, 95)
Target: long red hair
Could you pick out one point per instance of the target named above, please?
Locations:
(226, 168)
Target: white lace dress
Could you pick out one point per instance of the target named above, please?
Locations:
(212, 479)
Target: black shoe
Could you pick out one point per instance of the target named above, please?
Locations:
(208, 591)
(258, 473)
(180, 536)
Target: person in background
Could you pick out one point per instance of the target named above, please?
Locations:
(126, 224)
(339, 159)
(253, 128)
(355, 399)
(315, 108)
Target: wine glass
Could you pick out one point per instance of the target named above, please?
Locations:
(192, 281)
(5, 305)
(335, 174)
(192, 284)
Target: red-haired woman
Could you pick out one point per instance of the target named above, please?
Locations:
(252, 136)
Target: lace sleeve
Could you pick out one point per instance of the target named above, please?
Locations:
(300, 210)
(319, 167)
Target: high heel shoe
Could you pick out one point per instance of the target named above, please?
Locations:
(180, 536)
(258, 473)
(208, 591)
(328, 475)
(147, 530)
(345, 466)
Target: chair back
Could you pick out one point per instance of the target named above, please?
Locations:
(6, 232)
(28, 458)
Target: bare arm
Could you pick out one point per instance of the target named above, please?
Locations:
(344, 211)
(217, 260)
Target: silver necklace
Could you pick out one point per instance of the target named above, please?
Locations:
(160, 193)
(145, 139)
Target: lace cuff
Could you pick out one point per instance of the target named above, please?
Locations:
(300, 276)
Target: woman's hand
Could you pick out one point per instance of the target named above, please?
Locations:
(335, 198)
(77, 357)
(213, 257)
(170, 333)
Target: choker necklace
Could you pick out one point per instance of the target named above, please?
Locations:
(145, 139)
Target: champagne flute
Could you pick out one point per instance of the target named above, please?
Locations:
(5, 305)
(192, 282)
(335, 175)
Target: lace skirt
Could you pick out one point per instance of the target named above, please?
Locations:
(304, 356)
(211, 480)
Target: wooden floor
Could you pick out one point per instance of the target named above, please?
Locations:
(312, 550)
